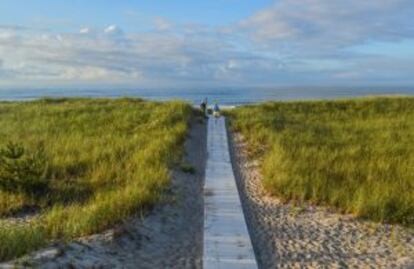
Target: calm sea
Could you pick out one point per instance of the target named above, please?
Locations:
(226, 96)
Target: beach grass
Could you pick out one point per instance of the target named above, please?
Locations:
(356, 155)
(101, 161)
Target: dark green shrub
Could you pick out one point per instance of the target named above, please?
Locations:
(188, 168)
(21, 171)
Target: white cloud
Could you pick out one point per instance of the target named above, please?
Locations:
(292, 41)
(139, 58)
(113, 29)
(84, 30)
(330, 24)
(93, 73)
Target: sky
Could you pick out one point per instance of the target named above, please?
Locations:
(183, 43)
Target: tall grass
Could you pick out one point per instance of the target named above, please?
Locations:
(356, 155)
(106, 159)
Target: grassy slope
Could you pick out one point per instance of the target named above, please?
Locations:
(106, 159)
(356, 155)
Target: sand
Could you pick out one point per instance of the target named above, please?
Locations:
(288, 236)
(283, 235)
(169, 236)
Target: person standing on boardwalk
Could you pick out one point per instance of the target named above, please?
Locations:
(216, 110)
(203, 106)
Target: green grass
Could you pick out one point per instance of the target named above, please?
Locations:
(355, 155)
(104, 160)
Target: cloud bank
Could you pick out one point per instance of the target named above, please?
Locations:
(291, 42)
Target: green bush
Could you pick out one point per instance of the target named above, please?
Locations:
(188, 168)
(21, 171)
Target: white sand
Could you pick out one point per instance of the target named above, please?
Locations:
(286, 236)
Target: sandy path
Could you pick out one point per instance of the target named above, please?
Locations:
(285, 236)
(171, 236)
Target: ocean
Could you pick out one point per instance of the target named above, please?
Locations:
(226, 96)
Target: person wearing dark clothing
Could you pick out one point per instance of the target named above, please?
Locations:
(203, 106)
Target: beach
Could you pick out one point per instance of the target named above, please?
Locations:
(236, 134)
(171, 232)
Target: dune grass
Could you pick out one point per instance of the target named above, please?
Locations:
(104, 160)
(356, 155)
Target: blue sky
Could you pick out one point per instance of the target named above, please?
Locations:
(160, 44)
(124, 13)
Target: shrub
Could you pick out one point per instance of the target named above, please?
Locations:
(21, 171)
(188, 168)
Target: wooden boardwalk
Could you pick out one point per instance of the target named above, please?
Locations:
(226, 239)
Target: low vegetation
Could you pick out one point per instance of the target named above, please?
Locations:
(82, 164)
(187, 168)
(355, 155)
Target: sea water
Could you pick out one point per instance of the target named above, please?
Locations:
(225, 96)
